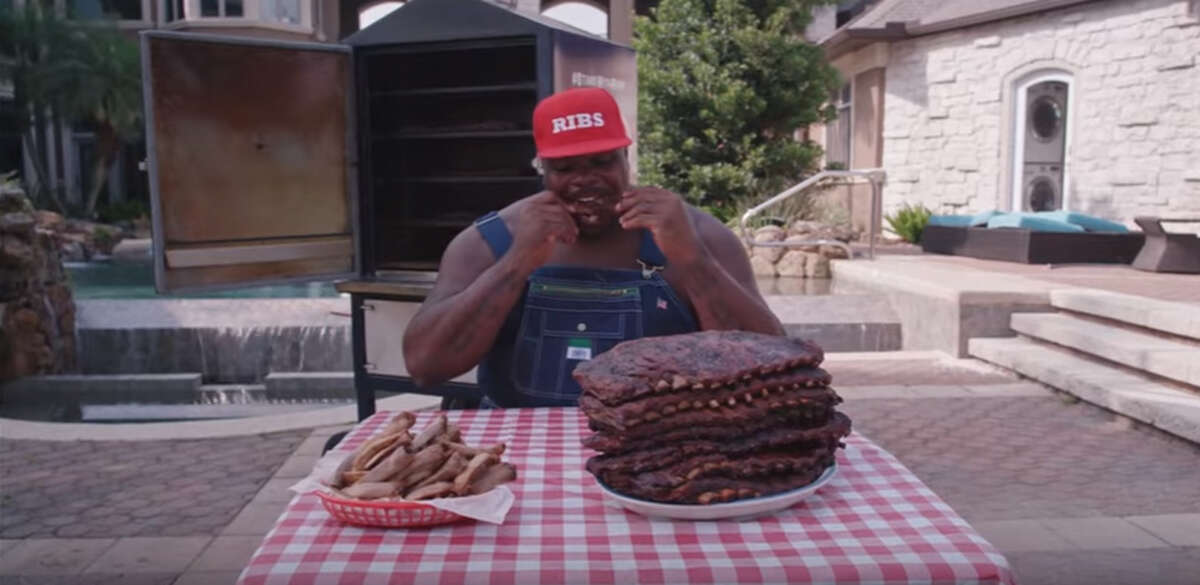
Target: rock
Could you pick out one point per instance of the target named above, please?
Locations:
(17, 222)
(12, 200)
(25, 318)
(816, 265)
(804, 227)
(801, 248)
(76, 247)
(15, 251)
(816, 230)
(60, 298)
(834, 252)
(73, 252)
(37, 313)
(769, 233)
(95, 237)
(13, 283)
(47, 248)
(761, 267)
(771, 254)
(792, 264)
(50, 220)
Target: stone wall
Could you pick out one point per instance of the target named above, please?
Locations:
(37, 313)
(799, 260)
(1134, 125)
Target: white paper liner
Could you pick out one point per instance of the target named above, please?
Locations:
(491, 506)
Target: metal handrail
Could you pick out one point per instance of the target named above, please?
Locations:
(875, 176)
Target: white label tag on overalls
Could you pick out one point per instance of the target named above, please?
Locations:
(579, 349)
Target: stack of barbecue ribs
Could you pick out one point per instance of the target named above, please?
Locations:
(710, 417)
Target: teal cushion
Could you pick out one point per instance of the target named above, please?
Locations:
(1087, 222)
(1032, 222)
(981, 218)
(950, 220)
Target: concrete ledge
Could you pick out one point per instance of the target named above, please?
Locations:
(43, 431)
(1169, 409)
(1140, 351)
(107, 387)
(840, 322)
(310, 384)
(942, 307)
(1175, 318)
(908, 392)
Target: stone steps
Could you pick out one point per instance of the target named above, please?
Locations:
(1171, 409)
(1174, 318)
(942, 307)
(1154, 354)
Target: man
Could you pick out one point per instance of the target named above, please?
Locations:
(563, 275)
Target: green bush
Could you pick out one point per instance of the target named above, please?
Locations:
(105, 240)
(722, 87)
(128, 210)
(909, 221)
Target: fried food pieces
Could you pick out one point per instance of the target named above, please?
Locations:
(434, 463)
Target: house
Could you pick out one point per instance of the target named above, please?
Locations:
(1084, 105)
(69, 160)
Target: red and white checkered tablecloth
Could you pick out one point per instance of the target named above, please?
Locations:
(874, 523)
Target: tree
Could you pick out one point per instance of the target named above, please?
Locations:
(29, 40)
(99, 80)
(723, 87)
(77, 72)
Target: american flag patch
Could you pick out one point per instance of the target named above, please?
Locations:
(662, 304)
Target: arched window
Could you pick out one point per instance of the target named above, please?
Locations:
(370, 13)
(587, 16)
(1041, 139)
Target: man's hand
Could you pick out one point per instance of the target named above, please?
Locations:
(666, 216)
(542, 222)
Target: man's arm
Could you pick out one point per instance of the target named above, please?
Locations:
(720, 284)
(459, 320)
(458, 323)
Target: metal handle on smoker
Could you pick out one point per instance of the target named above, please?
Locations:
(875, 176)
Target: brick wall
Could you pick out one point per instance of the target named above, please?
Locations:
(1135, 133)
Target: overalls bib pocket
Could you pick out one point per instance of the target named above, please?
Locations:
(564, 324)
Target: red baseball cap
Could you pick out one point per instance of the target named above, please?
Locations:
(577, 121)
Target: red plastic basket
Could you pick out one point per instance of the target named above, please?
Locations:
(385, 514)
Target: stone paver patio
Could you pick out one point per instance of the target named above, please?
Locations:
(1069, 492)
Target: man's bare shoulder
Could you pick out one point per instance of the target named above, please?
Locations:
(710, 229)
(512, 210)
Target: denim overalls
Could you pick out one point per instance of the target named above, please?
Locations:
(569, 314)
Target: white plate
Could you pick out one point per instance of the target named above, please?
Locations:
(739, 509)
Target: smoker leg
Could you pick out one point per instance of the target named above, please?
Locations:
(333, 441)
(449, 403)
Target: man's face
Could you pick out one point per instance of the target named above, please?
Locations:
(590, 186)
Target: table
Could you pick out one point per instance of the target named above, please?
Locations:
(874, 523)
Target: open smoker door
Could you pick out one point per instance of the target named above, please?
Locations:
(251, 155)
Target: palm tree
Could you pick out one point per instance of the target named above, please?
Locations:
(99, 82)
(78, 72)
(29, 38)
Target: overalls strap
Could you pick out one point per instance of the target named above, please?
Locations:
(495, 233)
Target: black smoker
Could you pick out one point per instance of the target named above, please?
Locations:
(278, 161)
